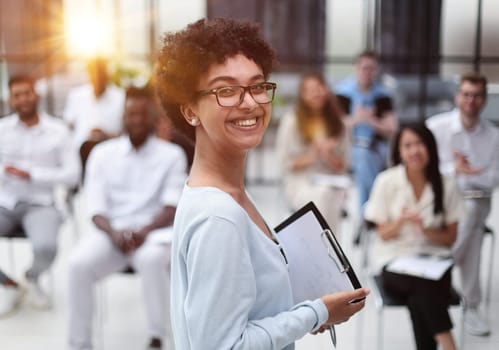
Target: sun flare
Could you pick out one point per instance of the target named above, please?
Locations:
(87, 37)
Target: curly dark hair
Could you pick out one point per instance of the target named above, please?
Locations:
(188, 54)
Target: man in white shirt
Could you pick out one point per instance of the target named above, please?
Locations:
(95, 110)
(468, 150)
(132, 185)
(34, 157)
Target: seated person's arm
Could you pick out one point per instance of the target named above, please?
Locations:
(67, 169)
(129, 240)
(162, 219)
(120, 238)
(391, 229)
(304, 160)
(442, 236)
(286, 140)
(331, 153)
(99, 135)
(386, 125)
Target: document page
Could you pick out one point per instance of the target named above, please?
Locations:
(313, 271)
(336, 181)
(432, 268)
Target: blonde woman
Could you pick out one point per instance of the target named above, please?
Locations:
(312, 141)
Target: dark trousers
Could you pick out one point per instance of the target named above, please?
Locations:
(427, 301)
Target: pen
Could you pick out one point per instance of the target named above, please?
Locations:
(332, 333)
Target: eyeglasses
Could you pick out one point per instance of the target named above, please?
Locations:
(233, 96)
(471, 95)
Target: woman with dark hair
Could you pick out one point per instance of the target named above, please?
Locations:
(230, 283)
(416, 211)
(312, 142)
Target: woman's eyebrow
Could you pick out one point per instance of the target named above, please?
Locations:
(232, 80)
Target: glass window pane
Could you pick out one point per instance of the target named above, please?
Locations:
(134, 27)
(175, 15)
(345, 33)
(458, 27)
(490, 28)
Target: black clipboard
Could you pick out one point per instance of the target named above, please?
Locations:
(316, 262)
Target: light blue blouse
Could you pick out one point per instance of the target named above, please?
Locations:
(230, 284)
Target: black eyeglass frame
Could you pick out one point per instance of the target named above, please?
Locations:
(467, 94)
(245, 89)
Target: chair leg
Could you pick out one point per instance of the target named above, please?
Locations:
(100, 314)
(51, 286)
(12, 262)
(462, 330)
(360, 329)
(490, 271)
(380, 329)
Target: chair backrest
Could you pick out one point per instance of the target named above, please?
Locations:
(85, 149)
(366, 238)
(18, 232)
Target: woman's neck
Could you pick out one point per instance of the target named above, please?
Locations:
(223, 170)
(417, 179)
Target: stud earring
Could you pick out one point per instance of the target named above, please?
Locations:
(194, 121)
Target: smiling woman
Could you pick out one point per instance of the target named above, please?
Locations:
(416, 211)
(230, 284)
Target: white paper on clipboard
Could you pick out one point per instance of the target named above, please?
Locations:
(432, 268)
(316, 267)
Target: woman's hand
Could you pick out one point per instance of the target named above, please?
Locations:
(410, 216)
(330, 155)
(321, 329)
(341, 305)
(305, 160)
(326, 146)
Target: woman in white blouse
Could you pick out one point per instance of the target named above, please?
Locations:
(416, 211)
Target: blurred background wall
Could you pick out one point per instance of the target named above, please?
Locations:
(423, 44)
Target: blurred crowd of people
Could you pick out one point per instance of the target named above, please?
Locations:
(430, 196)
(426, 187)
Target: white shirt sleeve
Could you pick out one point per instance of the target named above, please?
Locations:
(69, 113)
(68, 170)
(441, 129)
(95, 183)
(376, 209)
(489, 179)
(453, 203)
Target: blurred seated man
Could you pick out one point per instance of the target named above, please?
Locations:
(95, 110)
(371, 119)
(132, 184)
(34, 157)
(467, 146)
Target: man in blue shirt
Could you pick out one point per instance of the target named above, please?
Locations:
(371, 121)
